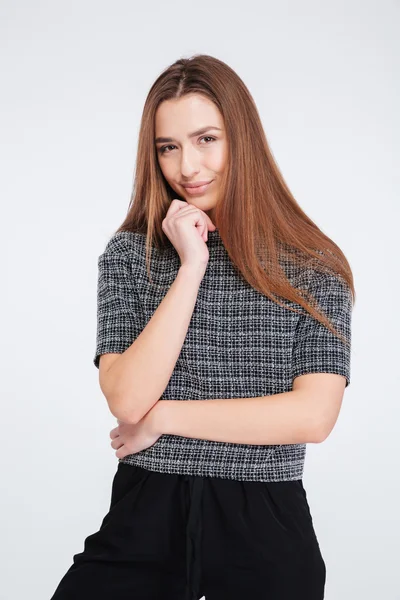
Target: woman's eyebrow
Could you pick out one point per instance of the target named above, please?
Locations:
(198, 132)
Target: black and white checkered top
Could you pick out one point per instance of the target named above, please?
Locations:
(239, 344)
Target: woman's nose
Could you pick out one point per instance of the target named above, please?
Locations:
(189, 163)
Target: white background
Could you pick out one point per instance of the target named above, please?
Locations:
(74, 78)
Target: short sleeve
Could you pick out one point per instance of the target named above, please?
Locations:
(315, 348)
(118, 308)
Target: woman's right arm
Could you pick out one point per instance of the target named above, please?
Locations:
(133, 381)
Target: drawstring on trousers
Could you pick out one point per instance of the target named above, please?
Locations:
(194, 530)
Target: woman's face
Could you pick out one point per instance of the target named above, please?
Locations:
(187, 155)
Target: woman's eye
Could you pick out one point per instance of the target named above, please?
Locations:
(163, 149)
(208, 136)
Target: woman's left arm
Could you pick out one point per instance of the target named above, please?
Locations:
(305, 414)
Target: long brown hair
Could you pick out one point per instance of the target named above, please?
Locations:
(256, 211)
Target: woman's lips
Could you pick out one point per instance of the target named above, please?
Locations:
(194, 191)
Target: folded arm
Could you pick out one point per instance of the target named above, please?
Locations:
(305, 414)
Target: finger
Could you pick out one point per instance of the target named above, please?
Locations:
(114, 432)
(200, 214)
(117, 443)
(210, 225)
(175, 206)
(203, 230)
(122, 452)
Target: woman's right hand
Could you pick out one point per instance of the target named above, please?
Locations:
(186, 226)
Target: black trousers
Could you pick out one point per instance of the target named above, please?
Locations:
(182, 537)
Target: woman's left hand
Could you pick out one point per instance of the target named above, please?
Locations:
(130, 438)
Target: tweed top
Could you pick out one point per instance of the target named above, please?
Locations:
(239, 344)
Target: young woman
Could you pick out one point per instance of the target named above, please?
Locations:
(223, 348)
